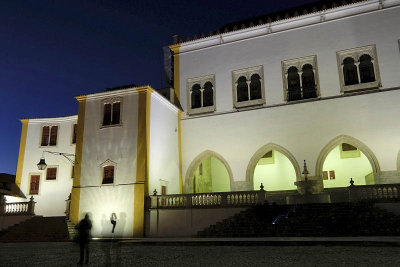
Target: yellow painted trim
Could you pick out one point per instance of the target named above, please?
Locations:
(180, 152)
(75, 193)
(21, 155)
(138, 210)
(141, 187)
(175, 50)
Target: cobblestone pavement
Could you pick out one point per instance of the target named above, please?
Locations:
(126, 254)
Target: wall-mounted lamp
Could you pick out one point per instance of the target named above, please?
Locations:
(42, 163)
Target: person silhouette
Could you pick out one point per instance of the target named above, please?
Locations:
(84, 227)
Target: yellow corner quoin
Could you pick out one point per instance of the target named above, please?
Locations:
(142, 159)
(175, 50)
(21, 154)
(180, 152)
(76, 190)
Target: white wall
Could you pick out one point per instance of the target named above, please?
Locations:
(320, 39)
(52, 194)
(119, 145)
(303, 129)
(164, 153)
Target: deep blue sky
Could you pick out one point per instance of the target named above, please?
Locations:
(51, 51)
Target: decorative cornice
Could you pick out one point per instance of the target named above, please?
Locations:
(287, 24)
(115, 93)
(52, 120)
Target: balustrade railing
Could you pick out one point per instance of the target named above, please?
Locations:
(18, 208)
(374, 192)
(202, 200)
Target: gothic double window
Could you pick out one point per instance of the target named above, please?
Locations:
(248, 87)
(358, 68)
(201, 94)
(300, 78)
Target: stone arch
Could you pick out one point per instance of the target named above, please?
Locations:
(349, 140)
(195, 163)
(264, 149)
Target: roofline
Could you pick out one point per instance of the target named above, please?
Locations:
(53, 119)
(115, 93)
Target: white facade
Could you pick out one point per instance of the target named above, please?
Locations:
(304, 127)
(52, 195)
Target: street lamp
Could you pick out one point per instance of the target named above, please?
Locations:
(42, 163)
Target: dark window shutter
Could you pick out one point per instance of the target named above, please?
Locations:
(74, 135)
(116, 113)
(53, 135)
(34, 186)
(108, 177)
(107, 114)
(45, 136)
(51, 174)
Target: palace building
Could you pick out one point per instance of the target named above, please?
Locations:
(248, 105)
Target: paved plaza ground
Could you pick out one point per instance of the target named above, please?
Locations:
(130, 254)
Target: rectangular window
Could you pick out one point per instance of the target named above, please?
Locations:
(73, 171)
(49, 136)
(74, 134)
(112, 113)
(53, 135)
(108, 176)
(51, 173)
(115, 113)
(45, 136)
(163, 190)
(34, 186)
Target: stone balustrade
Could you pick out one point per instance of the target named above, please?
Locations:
(375, 192)
(18, 208)
(203, 200)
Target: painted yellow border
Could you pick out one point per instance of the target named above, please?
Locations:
(21, 155)
(76, 190)
(175, 50)
(180, 152)
(141, 187)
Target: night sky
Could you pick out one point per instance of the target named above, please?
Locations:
(51, 51)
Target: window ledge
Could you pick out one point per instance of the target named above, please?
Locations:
(249, 103)
(110, 126)
(361, 86)
(196, 111)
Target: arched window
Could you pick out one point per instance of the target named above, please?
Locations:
(108, 174)
(308, 82)
(293, 80)
(366, 69)
(350, 71)
(255, 87)
(242, 89)
(208, 97)
(196, 96)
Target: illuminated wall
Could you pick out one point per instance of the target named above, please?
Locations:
(212, 176)
(52, 193)
(279, 175)
(164, 155)
(345, 168)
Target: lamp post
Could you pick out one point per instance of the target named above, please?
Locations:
(42, 163)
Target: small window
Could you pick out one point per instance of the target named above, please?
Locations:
(34, 185)
(201, 94)
(108, 175)
(248, 87)
(49, 136)
(358, 68)
(268, 158)
(349, 151)
(51, 173)
(73, 171)
(74, 134)
(112, 113)
(163, 190)
(300, 78)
